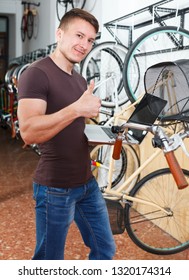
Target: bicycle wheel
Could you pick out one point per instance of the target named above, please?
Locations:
(10, 71)
(167, 43)
(152, 229)
(30, 24)
(23, 27)
(21, 70)
(78, 3)
(104, 64)
(62, 7)
(15, 73)
(102, 154)
(35, 24)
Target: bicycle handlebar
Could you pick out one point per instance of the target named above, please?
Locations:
(119, 139)
(117, 148)
(176, 170)
(167, 144)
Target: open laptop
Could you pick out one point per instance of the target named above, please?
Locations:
(146, 112)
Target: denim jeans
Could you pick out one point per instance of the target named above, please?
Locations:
(57, 208)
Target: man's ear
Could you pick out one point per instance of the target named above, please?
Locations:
(58, 34)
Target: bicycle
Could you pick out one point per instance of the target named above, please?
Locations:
(160, 44)
(154, 210)
(29, 22)
(104, 64)
(155, 205)
(62, 6)
(8, 117)
(8, 111)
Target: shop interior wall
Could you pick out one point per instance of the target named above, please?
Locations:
(104, 10)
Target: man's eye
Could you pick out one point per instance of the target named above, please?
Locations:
(91, 42)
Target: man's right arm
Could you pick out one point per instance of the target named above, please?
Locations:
(37, 127)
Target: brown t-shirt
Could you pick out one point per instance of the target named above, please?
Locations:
(65, 159)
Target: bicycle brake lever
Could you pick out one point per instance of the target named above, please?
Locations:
(178, 142)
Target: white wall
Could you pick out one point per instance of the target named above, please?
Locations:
(117, 9)
(11, 8)
(48, 23)
(104, 10)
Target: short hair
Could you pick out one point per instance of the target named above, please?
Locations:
(79, 13)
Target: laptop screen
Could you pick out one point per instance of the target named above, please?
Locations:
(146, 112)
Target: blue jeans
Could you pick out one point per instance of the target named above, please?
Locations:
(57, 208)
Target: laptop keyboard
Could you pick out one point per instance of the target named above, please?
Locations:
(108, 131)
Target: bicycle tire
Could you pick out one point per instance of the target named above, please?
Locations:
(9, 73)
(149, 228)
(36, 24)
(109, 57)
(102, 154)
(23, 27)
(61, 8)
(21, 70)
(160, 44)
(78, 3)
(16, 71)
(30, 20)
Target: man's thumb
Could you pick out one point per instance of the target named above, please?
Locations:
(91, 86)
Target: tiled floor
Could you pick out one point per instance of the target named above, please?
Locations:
(17, 228)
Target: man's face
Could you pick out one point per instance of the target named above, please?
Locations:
(76, 40)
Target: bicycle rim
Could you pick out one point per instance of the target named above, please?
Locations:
(152, 229)
(133, 163)
(103, 154)
(36, 25)
(21, 70)
(78, 3)
(16, 71)
(104, 64)
(30, 25)
(61, 8)
(9, 73)
(23, 28)
(123, 168)
(167, 43)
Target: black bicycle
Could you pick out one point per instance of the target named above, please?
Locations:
(62, 6)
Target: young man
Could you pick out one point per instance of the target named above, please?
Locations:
(53, 103)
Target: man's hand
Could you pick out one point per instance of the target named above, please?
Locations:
(88, 105)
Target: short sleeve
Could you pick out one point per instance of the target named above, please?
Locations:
(33, 83)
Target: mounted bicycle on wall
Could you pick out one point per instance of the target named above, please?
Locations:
(62, 6)
(30, 19)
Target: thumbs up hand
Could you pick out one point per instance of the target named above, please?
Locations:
(89, 104)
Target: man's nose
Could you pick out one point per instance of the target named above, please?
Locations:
(85, 44)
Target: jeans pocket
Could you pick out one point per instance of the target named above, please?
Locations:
(59, 196)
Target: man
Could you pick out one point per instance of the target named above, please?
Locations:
(53, 103)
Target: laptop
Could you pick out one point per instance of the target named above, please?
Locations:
(146, 112)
